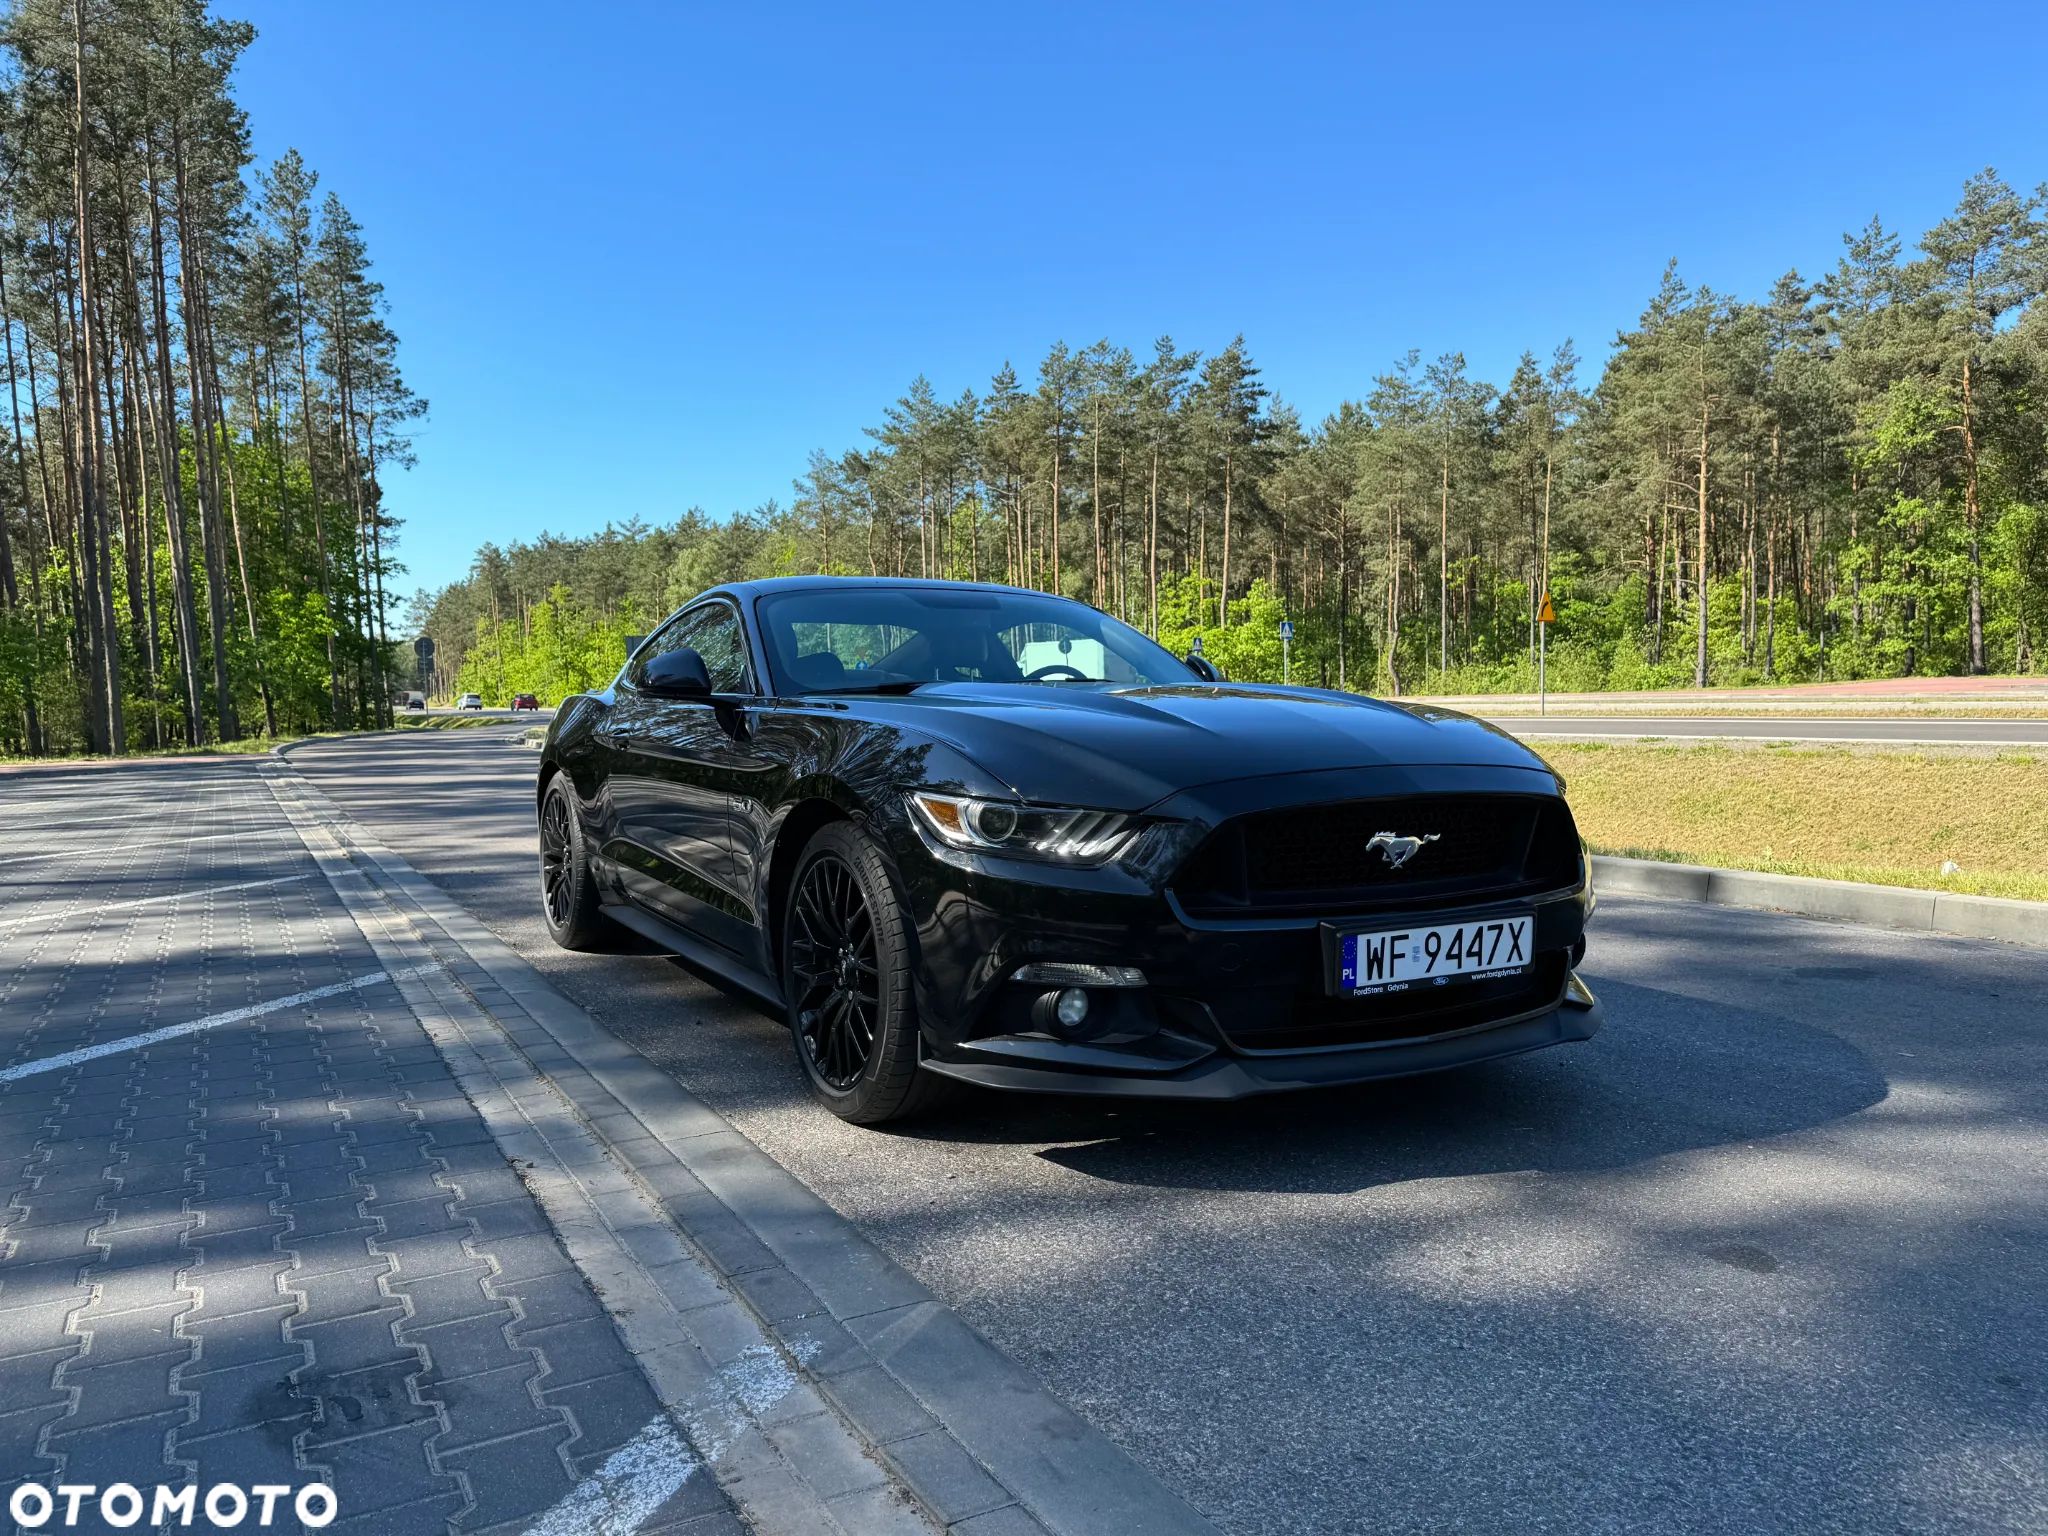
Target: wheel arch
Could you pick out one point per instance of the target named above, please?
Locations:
(820, 807)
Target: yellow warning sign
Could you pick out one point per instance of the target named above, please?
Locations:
(1548, 615)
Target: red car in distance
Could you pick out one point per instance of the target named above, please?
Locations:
(525, 701)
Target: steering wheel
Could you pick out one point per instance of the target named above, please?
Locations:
(1058, 666)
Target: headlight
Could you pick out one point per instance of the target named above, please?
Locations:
(1024, 831)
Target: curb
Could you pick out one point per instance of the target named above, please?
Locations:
(978, 1440)
(1880, 906)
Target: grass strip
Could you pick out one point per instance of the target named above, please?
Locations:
(1976, 825)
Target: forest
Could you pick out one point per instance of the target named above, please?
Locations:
(1846, 477)
(205, 393)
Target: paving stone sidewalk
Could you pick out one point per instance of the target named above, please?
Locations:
(289, 1247)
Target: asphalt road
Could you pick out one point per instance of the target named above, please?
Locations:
(1929, 732)
(1766, 1256)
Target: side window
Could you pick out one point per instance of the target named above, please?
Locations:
(713, 632)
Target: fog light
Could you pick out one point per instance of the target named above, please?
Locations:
(1065, 1013)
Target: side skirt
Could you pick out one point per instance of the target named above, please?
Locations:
(724, 966)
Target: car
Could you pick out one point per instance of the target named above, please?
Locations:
(415, 700)
(525, 701)
(470, 701)
(961, 832)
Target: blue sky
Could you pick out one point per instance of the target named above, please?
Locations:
(645, 256)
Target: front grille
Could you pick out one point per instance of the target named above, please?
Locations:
(1315, 858)
(1271, 1020)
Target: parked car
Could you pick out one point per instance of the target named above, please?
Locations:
(525, 701)
(470, 701)
(1105, 872)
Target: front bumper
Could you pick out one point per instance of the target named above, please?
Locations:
(1231, 1008)
(1233, 1075)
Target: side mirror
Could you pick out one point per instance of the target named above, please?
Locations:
(677, 674)
(1202, 667)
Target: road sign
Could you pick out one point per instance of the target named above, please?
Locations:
(1287, 629)
(1545, 617)
(1547, 614)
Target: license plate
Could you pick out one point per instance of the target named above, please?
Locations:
(1400, 959)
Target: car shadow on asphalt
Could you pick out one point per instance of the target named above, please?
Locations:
(1712, 1075)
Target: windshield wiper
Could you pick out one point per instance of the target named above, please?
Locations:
(899, 685)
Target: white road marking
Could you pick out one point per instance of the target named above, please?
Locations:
(204, 890)
(194, 1026)
(100, 850)
(150, 901)
(58, 819)
(634, 1481)
(1774, 738)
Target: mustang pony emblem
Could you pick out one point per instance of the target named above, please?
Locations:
(1396, 848)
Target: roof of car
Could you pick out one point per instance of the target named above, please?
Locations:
(774, 584)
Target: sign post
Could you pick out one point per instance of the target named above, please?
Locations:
(1286, 639)
(1545, 617)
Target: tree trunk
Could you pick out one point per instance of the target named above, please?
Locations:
(1973, 518)
(205, 483)
(1152, 547)
(32, 728)
(1095, 495)
(1700, 661)
(1223, 582)
(165, 412)
(1055, 535)
(105, 728)
(1443, 567)
(340, 716)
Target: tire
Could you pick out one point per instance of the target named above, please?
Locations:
(568, 891)
(883, 1081)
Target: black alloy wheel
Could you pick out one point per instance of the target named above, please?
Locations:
(568, 891)
(554, 859)
(837, 974)
(846, 969)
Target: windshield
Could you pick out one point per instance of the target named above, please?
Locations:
(862, 639)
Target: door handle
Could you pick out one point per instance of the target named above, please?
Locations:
(614, 738)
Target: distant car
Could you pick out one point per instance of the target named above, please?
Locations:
(525, 701)
(415, 701)
(470, 701)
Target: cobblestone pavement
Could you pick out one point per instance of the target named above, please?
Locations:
(280, 1240)
(1754, 1260)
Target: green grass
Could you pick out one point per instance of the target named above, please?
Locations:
(246, 745)
(447, 722)
(1890, 818)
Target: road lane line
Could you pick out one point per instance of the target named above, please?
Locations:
(100, 849)
(617, 1497)
(194, 1026)
(1772, 738)
(204, 890)
(148, 901)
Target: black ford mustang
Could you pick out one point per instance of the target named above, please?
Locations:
(973, 832)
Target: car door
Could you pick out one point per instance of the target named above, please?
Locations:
(671, 764)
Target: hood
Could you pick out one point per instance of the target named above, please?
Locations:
(1124, 749)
